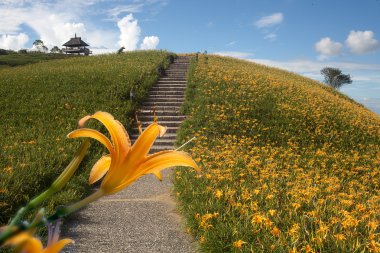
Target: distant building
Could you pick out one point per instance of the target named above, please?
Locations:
(76, 46)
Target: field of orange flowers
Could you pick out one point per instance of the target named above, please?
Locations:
(288, 164)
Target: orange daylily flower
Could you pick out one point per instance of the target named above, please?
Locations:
(29, 244)
(126, 163)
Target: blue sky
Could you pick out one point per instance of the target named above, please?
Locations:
(298, 35)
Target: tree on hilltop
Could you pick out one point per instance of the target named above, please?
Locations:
(55, 50)
(40, 46)
(335, 78)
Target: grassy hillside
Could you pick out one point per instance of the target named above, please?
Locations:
(289, 165)
(41, 103)
(15, 59)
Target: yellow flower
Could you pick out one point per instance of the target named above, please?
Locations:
(340, 237)
(30, 244)
(275, 231)
(238, 244)
(257, 219)
(127, 163)
(218, 193)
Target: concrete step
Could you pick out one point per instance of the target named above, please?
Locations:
(165, 78)
(168, 88)
(160, 113)
(171, 84)
(169, 130)
(162, 103)
(173, 98)
(180, 63)
(165, 99)
(149, 118)
(157, 148)
(160, 108)
(177, 70)
(168, 136)
(163, 142)
(181, 81)
(172, 125)
(168, 80)
(174, 75)
(182, 68)
(166, 93)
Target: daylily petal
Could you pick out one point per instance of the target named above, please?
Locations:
(83, 120)
(155, 163)
(166, 159)
(56, 247)
(158, 175)
(123, 167)
(145, 141)
(120, 140)
(100, 169)
(125, 163)
(162, 130)
(26, 242)
(125, 132)
(32, 245)
(87, 132)
(18, 239)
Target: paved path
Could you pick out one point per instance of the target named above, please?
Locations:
(143, 217)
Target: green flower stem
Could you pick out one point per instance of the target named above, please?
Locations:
(57, 185)
(64, 211)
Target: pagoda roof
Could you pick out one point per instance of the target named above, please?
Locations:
(75, 42)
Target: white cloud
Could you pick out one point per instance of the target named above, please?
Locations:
(12, 2)
(234, 54)
(327, 47)
(102, 39)
(150, 42)
(54, 31)
(96, 51)
(60, 22)
(129, 32)
(130, 35)
(210, 24)
(136, 6)
(271, 20)
(11, 19)
(271, 37)
(130, 8)
(231, 43)
(13, 42)
(62, 19)
(360, 42)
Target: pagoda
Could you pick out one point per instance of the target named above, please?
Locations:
(76, 46)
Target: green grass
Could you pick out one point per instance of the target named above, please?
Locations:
(41, 103)
(12, 60)
(288, 164)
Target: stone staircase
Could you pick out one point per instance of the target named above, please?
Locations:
(166, 98)
(143, 217)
